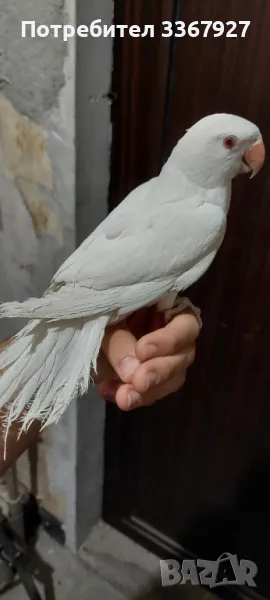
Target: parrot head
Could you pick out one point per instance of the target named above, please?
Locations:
(217, 148)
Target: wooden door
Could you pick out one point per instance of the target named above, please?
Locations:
(193, 472)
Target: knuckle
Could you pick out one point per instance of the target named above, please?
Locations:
(178, 383)
(184, 364)
(184, 330)
(191, 356)
(177, 368)
(196, 328)
(172, 342)
(193, 324)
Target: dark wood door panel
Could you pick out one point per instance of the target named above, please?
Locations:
(222, 73)
(196, 468)
(140, 78)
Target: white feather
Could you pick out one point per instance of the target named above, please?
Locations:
(54, 368)
(159, 240)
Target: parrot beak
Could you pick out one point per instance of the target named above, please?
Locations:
(253, 159)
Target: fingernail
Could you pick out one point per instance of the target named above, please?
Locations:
(134, 399)
(128, 366)
(149, 351)
(151, 379)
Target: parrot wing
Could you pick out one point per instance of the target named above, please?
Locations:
(129, 249)
(131, 263)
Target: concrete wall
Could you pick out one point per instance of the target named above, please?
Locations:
(37, 197)
(94, 132)
(40, 223)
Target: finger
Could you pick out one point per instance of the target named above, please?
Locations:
(119, 348)
(107, 389)
(182, 331)
(159, 371)
(161, 392)
(104, 369)
(127, 398)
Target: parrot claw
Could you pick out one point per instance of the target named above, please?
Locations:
(181, 304)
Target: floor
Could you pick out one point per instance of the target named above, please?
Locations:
(108, 567)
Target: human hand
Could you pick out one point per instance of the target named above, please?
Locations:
(144, 360)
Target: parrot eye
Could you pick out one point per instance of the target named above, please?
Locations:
(230, 142)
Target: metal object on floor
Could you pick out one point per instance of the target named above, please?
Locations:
(15, 555)
(7, 575)
(16, 533)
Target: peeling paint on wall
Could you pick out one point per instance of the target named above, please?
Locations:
(23, 144)
(45, 220)
(26, 160)
(37, 197)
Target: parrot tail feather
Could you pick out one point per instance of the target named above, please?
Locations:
(46, 366)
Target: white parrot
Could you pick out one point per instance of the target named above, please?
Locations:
(155, 244)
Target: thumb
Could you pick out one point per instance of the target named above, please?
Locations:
(119, 347)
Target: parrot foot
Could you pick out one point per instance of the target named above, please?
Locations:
(182, 303)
